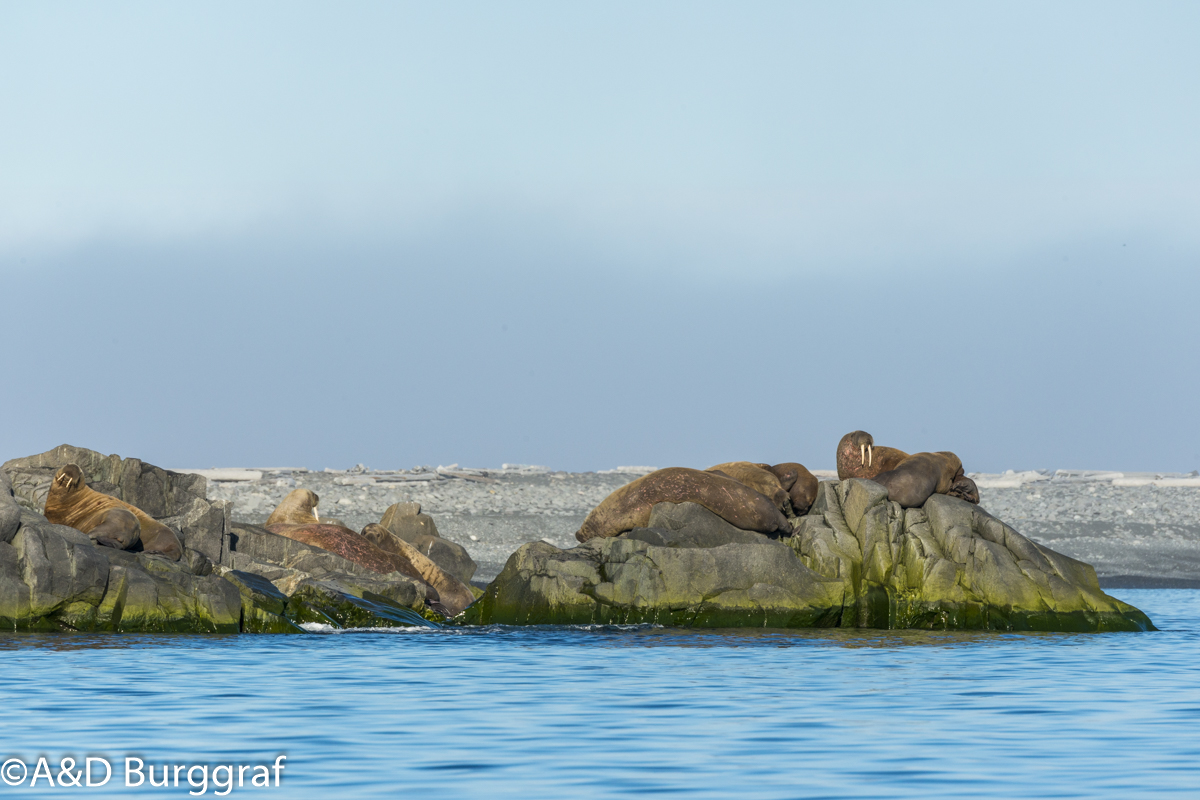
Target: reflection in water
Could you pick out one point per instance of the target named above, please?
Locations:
(627, 711)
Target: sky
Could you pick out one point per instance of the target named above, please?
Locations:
(597, 234)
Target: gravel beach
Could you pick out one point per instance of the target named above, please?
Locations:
(1137, 530)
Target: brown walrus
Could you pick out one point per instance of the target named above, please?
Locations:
(629, 507)
(922, 475)
(801, 489)
(298, 508)
(72, 502)
(454, 594)
(759, 478)
(353, 547)
(858, 457)
(296, 517)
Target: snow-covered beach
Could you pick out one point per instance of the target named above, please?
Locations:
(1137, 529)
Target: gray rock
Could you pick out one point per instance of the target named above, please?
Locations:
(624, 580)
(949, 564)
(167, 598)
(10, 510)
(202, 525)
(58, 569)
(406, 521)
(55, 578)
(263, 605)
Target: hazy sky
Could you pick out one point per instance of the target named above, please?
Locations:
(586, 235)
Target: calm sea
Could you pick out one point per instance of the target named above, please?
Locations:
(607, 712)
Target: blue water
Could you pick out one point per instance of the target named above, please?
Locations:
(574, 713)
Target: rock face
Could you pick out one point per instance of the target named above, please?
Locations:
(948, 564)
(177, 500)
(856, 560)
(689, 568)
(54, 578)
(406, 521)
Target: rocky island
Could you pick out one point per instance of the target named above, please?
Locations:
(853, 559)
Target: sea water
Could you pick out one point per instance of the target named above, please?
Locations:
(621, 712)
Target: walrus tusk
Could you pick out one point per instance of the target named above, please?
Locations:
(870, 455)
(316, 516)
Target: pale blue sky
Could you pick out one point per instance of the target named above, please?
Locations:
(591, 234)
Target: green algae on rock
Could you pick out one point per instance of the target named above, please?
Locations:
(947, 565)
(856, 560)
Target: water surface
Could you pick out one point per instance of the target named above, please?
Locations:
(610, 712)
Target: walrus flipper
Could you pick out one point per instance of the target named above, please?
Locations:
(116, 527)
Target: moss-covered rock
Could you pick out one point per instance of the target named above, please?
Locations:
(856, 560)
(946, 565)
(326, 604)
(263, 605)
(691, 576)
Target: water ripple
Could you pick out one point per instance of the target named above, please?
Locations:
(618, 711)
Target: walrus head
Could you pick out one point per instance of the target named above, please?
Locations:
(855, 450)
(964, 488)
(69, 478)
(298, 508)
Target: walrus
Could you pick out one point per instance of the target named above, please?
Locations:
(858, 457)
(759, 478)
(629, 507)
(801, 489)
(296, 517)
(345, 543)
(454, 594)
(72, 502)
(920, 476)
(298, 508)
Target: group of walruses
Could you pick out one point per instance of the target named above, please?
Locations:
(762, 497)
(750, 496)
(115, 523)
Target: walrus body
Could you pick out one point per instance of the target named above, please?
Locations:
(72, 502)
(920, 476)
(802, 489)
(759, 478)
(453, 593)
(345, 543)
(858, 457)
(629, 507)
